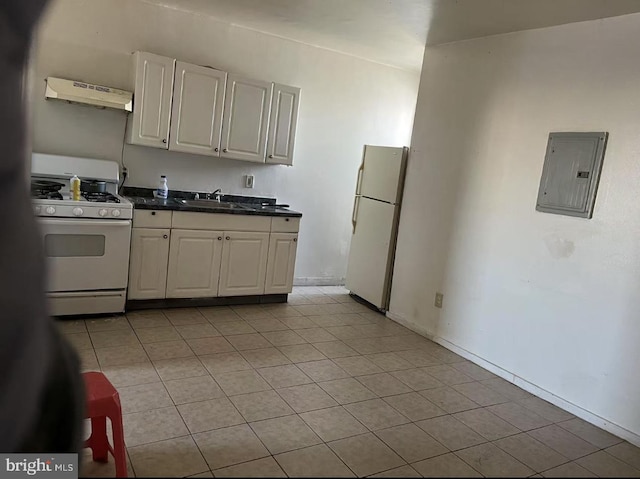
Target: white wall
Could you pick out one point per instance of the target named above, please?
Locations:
(346, 102)
(553, 300)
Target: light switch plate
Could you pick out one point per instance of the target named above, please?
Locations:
(249, 181)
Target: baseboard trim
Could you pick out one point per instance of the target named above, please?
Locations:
(318, 281)
(574, 409)
(398, 318)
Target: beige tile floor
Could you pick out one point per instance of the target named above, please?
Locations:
(322, 386)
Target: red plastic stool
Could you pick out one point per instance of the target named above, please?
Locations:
(103, 401)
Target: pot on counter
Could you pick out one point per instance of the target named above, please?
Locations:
(93, 186)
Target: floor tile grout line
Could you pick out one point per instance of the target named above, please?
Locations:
(397, 347)
(482, 475)
(398, 453)
(605, 451)
(570, 461)
(414, 422)
(616, 457)
(159, 440)
(536, 472)
(352, 470)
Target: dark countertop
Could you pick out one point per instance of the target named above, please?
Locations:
(142, 198)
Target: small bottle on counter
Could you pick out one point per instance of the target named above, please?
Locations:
(163, 188)
(74, 188)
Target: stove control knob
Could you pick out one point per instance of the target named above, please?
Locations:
(36, 210)
(77, 212)
(115, 213)
(50, 210)
(102, 212)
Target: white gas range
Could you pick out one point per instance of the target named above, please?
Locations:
(86, 242)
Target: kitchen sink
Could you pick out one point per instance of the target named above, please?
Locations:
(213, 204)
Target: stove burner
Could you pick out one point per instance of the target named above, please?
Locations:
(46, 190)
(46, 195)
(100, 197)
(44, 186)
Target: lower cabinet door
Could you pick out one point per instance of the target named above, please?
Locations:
(281, 262)
(148, 263)
(244, 263)
(194, 263)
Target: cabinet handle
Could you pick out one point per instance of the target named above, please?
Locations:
(164, 140)
(215, 149)
(270, 156)
(165, 236)
(286, 219)
(219, 238)
(295, 240)
(227, 238)
(224, 150)
(153, 213)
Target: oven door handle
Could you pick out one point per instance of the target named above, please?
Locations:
(58, 222)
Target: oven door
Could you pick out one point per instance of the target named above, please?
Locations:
(86, 254)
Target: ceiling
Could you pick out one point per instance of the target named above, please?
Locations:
(394, 32)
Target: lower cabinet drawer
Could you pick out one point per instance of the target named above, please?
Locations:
(151, 219)
(285, 225)
(219, 222)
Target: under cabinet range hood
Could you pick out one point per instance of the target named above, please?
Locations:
(88, 94)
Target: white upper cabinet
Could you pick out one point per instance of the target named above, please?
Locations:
(196, 119)
(282, 124)
(149, 125)
(246, 117)
(200, 110)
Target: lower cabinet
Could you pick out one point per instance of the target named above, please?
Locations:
(244, 263)
(184, 256)
(148, 264)
(281, 263)
(194, 263)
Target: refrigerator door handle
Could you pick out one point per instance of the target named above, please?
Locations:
(359, 182)
(354, 214)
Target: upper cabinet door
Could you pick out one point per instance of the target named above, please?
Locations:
(246, 116)
(282, 124)
(196, 119)
(152, 100)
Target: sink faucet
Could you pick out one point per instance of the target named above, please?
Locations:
(215, 194)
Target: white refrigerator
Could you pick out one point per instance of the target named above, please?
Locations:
(376, 211)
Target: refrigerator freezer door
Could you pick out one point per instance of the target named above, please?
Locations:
(371, 254)
(382, 173)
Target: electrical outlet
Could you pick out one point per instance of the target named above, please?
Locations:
(439, 300)
(249, 181)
